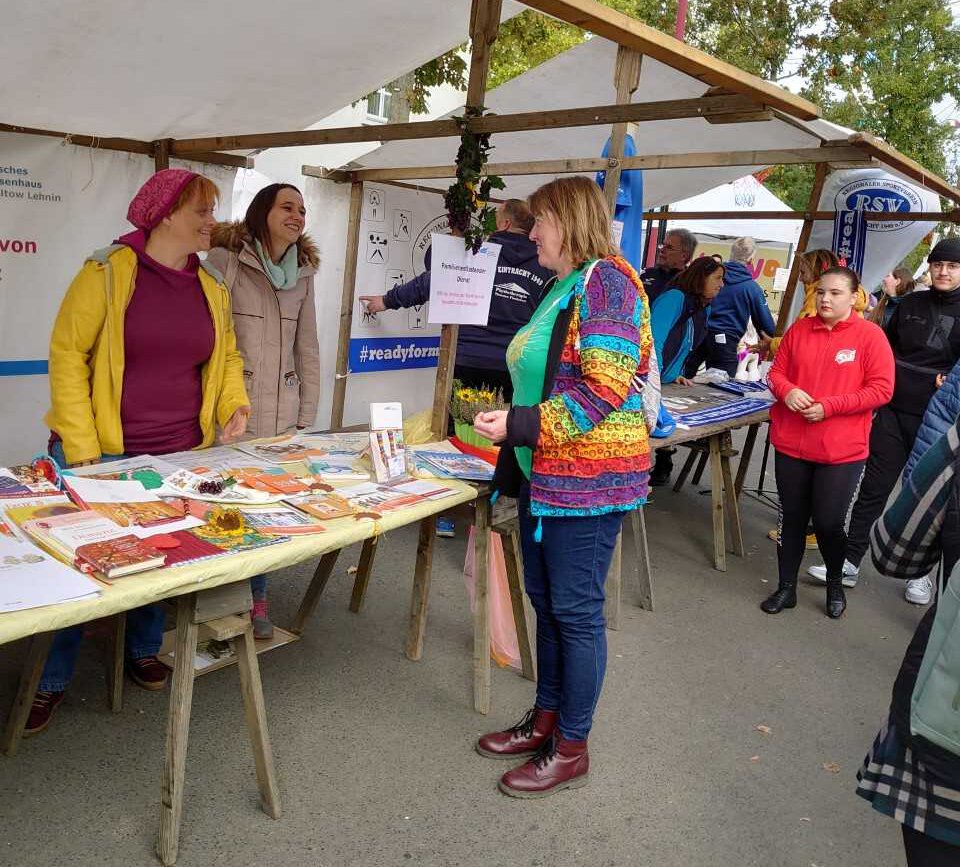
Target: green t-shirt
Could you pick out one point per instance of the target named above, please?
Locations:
(527, 354)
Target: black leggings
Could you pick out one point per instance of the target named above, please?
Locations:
(924, 851)
(819, 491)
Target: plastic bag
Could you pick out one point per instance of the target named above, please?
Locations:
(504, 648)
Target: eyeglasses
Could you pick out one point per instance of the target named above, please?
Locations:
(952, 267)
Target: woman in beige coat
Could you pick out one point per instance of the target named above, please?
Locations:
(268, 265)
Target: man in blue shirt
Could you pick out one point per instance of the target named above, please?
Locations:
(740, 300)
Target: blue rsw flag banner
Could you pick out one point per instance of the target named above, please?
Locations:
(850, 238)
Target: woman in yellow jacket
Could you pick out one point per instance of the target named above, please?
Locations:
(143, 360)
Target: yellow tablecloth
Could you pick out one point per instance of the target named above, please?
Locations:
(137, 590)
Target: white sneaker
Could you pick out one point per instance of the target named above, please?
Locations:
(919, 591)
(850, 574)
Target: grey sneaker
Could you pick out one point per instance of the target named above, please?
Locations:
(850, 574)
(919, 591)
(262, 627)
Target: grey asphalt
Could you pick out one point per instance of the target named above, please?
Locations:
(375, 757)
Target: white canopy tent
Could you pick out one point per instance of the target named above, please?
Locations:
(181, 69)
(744, 195)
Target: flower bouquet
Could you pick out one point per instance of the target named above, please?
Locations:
(465, 404)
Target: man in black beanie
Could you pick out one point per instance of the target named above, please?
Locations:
(924, 333)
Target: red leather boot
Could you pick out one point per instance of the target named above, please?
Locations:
(560, 764)
(520, 740)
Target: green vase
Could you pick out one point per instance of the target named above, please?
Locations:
(466, 433)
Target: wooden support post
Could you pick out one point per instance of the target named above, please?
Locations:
(251, 688)
(513, 560)
(481, 605)
(117, 658)
(787, 301)
(364, 568)
(318, 583)
(29, 681)
(178, 731)
(161, 154)
(613, 586)
(642, 553)
(422, 574)
(731, 506)
(745, 456)
(484, 24)
(626, 77)
(346, 306)
(716, 479)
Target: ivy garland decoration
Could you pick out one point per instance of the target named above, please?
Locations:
(468, 199)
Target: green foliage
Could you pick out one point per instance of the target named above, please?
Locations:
(468, 198)
(882, 66)
(755, 35)
(450, 69)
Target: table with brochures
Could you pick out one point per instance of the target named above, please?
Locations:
(189, 584)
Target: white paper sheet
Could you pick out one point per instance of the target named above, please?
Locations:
(461, 283)
(110, 491)
(30, 578)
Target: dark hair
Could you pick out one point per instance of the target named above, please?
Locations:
(819, 261)
(262, 204)
(519, 214)
(852, 277)
(693, 279)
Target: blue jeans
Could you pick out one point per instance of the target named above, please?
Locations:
(144, 632)
(564, 576)
(258, 586)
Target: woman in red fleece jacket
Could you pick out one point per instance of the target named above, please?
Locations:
(831, 372)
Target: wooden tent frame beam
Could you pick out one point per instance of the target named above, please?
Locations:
(783, 156)
(131, 146)
(711, 107)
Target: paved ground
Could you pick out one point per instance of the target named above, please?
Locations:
(375, 753)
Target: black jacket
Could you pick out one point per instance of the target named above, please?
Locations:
(924, 333)
(517, 290)
(656, 280)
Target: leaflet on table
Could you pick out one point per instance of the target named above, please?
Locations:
(346, 442)
(370, 497)
(126, 466)
(281, 450)
(25, 481)
(215, 462)
(27, 503)
(30, 578)
(280, 520)
(91, 490)
(325, 506)
(424, 489)
(458, 466)
(183, 483)
(386, 441)
(337, 467)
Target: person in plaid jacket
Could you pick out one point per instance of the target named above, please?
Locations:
(905, 776)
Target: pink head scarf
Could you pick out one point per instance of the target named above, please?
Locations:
(157, 197)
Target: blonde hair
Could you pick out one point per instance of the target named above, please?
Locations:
(742, 250)
(201, 187)
(581, 214)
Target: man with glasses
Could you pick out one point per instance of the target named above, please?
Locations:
(673, 255)
(924, 333)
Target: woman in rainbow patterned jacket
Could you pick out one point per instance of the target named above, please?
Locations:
(576, 453)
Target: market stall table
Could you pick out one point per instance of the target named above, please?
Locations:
(191, 585)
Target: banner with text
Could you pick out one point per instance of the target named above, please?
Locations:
(461, 283)
(396, 230)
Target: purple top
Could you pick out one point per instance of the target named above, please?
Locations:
(168, 337)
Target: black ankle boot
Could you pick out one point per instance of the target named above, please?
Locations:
(784, 597)
(836, 599)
